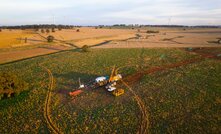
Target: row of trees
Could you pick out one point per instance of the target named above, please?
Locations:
(39, 27)
(48, 26)
(181, 26)
(47, 30)
(52, 30)
(140, 26)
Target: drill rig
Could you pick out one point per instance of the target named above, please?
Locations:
(108, 82)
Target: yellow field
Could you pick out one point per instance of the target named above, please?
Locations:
(13, 38)
(91, 36)
(108, 38)
(86, 36)
(94, 41)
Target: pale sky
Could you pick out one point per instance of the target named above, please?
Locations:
(103, 12)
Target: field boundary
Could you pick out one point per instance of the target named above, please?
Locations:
(47, 102)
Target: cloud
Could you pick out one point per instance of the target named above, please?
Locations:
(28, 7)
(163, 11)
(89, 12)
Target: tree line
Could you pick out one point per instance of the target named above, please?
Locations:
(44, 26)
(50, 26)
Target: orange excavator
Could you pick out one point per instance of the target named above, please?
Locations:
(108, 82)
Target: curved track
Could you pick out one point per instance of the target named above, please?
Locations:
(47, 103)
(144, 125)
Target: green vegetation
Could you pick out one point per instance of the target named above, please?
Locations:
(11, 85)
(85, 48)
(42, 31)
(138, 35)
(59, 28)
(26, 39)
(53, 30)
(187, 103)
(185, 99)
(47, 31)
(50, 38)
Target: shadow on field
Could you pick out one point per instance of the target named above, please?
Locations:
(75, 76)
(100, 44)
(70, 81)
(34, 40)
(51, 48)
(5, 103)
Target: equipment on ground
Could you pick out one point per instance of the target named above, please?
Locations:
(75, 93)
(118, 92)
(109, 83)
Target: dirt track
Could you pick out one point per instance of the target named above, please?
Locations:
(47, 103)
(144, 125)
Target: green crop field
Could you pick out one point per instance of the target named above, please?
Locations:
(181, 99)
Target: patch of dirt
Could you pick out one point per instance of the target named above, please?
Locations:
(62, 92)
(214, 53)
(137, 76)
(204, 52)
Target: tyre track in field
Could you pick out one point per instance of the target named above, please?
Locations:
(144, 125)
(47, 103)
